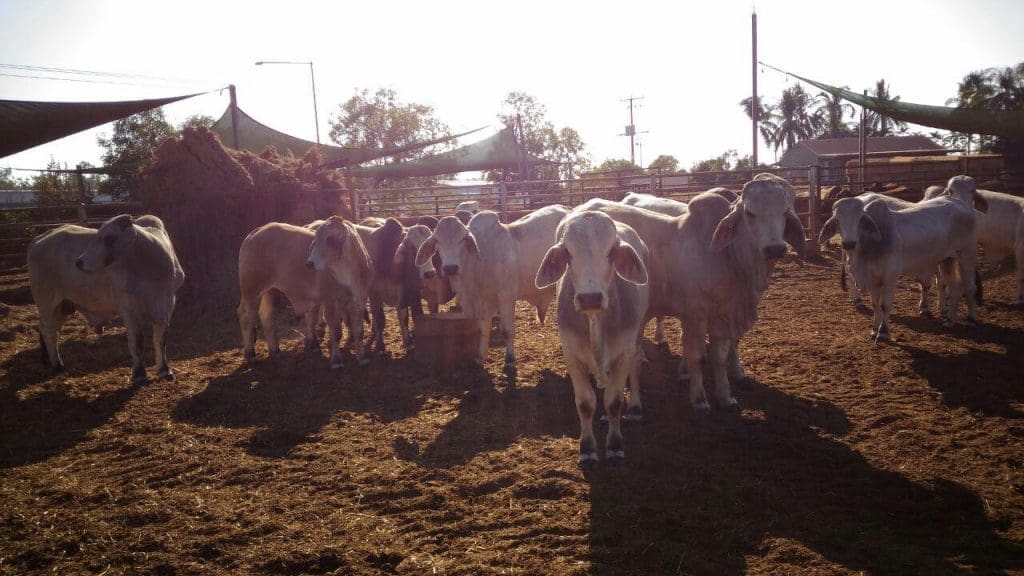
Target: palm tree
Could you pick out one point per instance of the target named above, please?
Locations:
(991, 89)
(879, 124)
(765, 114)
(832, 111)
(793, 120)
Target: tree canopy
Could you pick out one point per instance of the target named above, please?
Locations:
(133, 142)
(540, 138)
(664, 163)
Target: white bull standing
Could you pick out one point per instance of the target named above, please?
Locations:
(602, 300)
(126, 269)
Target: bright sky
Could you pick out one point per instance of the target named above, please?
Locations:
(689, 60)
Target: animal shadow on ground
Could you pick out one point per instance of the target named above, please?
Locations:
(49, 422)
(291, 397)
(723, 486)
(992, 383)
(81, 355)
(491, 418)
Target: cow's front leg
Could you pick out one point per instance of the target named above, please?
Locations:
(737, 375)
(695, 349)
(136, 340)
(247, 325)
(403, 327)
(634, 407)
(719, 349)
(163, 369)
(507, 314)
(49, 334)
(267, 313)
(586, 405)
(377, 322)
(613, 397)
(355, 313)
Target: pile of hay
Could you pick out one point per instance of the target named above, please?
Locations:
(210, 197)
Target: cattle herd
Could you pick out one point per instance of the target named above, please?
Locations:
(611, 266)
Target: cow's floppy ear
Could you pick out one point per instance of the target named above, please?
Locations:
(471, 245)
(868, 225)
(553, 266)
(828, 230)
(794, 234)
(628, 264)
(123, 222)
(726, 229)
(426, 250)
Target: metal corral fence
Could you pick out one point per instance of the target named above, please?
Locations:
(19, 225)
(817, 188)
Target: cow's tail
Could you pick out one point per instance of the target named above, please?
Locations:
(842, 276)
(979, 292)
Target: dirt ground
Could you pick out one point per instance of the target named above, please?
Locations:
(848, 457)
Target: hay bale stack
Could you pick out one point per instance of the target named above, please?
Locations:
(210, 197)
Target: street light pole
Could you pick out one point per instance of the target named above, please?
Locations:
(312, 80)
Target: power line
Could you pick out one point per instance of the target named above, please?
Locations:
(98, 73)
(72, 79)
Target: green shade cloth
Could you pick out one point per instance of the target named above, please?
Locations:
(492, 153)
(26, 124)
(1006, 123)
(255, 137)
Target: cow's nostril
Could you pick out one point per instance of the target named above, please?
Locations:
(849, 245)
(310, 265)
(429, 275)
(590, 300)
(775, 251)
(450, 269)
(79, 264)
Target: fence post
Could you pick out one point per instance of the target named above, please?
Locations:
(353, 197)
(814, 204)
(652, 185)
(82, 216)
(503, 201)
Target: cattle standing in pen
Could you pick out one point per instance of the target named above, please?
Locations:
(999, 228)
(883, 244)
(710, 267)
(602, 299)
(334, 277)
(126, 269)
(491, 265)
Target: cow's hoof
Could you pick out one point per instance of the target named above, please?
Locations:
(274, 353)
(509, 368)
(634, 415)
(860, 306)
(364, 361)
(732, 407)
(702, 408)
(615, 457)
(971, 322)
(57, 369)
(139, 378)
(337, 364)
(167, 375)
(410, 347)
(250, 356)
(744, 382)
(588, 461)
(947, 324)
(925, 313)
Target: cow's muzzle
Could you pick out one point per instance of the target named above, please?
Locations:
(310, 265)
(80, 265)
(450, 269)
(775, 251)
(590, 301)
(430, 275)
(849, 244)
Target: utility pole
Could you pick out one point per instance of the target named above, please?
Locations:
(631, 128)
(754, 112)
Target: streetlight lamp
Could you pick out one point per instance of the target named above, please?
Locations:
(312, 80)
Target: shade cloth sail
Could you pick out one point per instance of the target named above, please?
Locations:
(499, 151)
(26, 124)
(1006, 123)
(256, 136)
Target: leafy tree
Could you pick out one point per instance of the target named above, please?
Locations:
(133, 142)
(879, 124)
(8, 182)
(614, 164)
(563, 146)
(832, 112)
(994, 89)
(383, 120)
(197, 121)
(716, 163)
(55, 187)
(664, 163)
